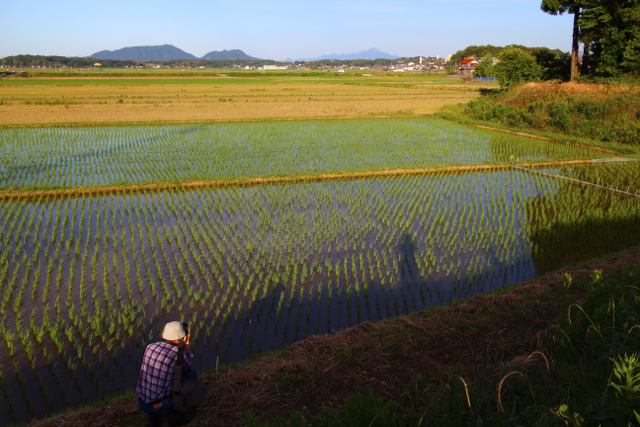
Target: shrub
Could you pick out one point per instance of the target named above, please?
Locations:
(516, 66)
(485, 68)
(558, 113)
(488, 110)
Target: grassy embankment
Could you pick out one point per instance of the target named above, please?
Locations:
(601, 115)
(117, 98)
(560, 350)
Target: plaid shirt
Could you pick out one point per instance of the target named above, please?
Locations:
(156, 373)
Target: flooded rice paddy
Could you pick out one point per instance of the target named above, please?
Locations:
(88, 282)
(59, 158)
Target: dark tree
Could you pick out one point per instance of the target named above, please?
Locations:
(610, 31)
(559, 7)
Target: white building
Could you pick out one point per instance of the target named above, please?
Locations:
(275, 67)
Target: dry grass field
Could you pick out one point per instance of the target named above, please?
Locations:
(52, 101)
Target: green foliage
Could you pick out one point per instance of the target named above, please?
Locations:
(554, 62)
(626, 376)
(556, 65)
(597, 345)
(53, 61)
(614, 117)
(558, 7)
(480, 51)
(610, 33)
(568, 417)
(486, 109)
(516, 67)
(485, 67)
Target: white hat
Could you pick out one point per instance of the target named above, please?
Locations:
(173, 331)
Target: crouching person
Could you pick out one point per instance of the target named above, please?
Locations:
(156, 381)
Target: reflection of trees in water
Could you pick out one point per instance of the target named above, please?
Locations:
(580, 223)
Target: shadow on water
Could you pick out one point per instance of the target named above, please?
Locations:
(572, 229)
(407, 253)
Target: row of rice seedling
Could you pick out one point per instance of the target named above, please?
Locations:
(86, 282)
(623, 176)
(110, 155)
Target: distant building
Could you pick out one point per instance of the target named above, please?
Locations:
(467, 66)
(275, 67)
(97, 64)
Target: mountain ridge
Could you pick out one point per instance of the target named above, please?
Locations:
(228, 54)
(166, 52)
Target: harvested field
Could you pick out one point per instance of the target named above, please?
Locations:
(204, 100)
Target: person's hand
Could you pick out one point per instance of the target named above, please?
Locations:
(187, 339)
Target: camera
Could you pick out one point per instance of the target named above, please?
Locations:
(185, 326)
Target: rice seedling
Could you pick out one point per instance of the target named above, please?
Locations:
(255, 268)
(108, 155)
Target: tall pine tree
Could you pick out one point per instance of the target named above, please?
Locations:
(559, 7)
(610, 30)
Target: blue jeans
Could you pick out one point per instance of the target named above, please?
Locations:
(166, 407)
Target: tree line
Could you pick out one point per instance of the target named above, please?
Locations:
(546, 64)
(53, 61)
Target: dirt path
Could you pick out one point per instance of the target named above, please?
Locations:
(253, 182)
(483, 334)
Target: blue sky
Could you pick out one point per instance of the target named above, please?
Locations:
(278, 29)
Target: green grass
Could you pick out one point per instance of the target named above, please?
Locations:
(455, 115)
(609, 116)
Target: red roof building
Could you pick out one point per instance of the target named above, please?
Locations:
(467, 66)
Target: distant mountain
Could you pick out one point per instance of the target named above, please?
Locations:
(142, 53)
(166, 52)
(228, 54)
(372, 53)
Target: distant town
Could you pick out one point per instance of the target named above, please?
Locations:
(414, 64)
